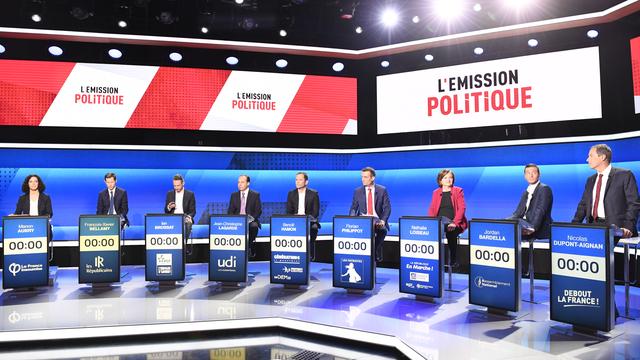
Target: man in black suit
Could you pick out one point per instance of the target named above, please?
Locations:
(535, 205)
(181, 201)
(246, 201)
(113, 200)
(610, 196)
(305, 201)
(372, 199)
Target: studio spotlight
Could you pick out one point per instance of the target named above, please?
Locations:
(389, 17)
(415, 19)
(55, 50)
(232, 60)
(2, 49)
(175, 56)
(448, 9)
(385, 63)
(122, 24)
(36, 18)
(592, 34)
(283, 32)
(532, 43)
(477, 7)
(478, 51)
(204, 29)
(166, 18)
(358, 30)
(80, 13)
(239, 2)
(428, 57)
(115, 53)
(337, 67)
(282, 63)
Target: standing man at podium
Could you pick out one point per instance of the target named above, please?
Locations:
(113, 200)
(372, 200)
(247, 202)
(535, 205)
(305, 201)
(181, 201)
(610, 195)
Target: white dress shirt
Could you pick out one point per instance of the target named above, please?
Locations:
(301, 198)
(33, 207)
(373, 199)
(605, 177)
(112, 195)
(530, 189)
(179, 201)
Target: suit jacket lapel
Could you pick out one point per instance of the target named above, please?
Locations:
(609, 181)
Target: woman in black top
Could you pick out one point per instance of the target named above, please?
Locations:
(34, 201)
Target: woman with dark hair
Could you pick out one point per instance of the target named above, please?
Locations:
(34, 201)
(448, 201)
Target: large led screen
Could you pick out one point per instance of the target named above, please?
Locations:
(557, 86)
(635, 68)
(43, 93)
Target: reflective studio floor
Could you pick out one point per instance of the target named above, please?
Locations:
(197, 319)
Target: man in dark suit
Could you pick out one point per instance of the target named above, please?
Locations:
(181, 201)
(535, 205)
(113, 200)
(305, 201)
(246, 201)
(610, 196)
(372, 200)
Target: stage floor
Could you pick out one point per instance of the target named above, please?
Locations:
(448, 328)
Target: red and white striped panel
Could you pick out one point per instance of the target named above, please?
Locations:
(41, 93)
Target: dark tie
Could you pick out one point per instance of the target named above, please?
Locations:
(112, 208)
(595, 202)
(370, 203)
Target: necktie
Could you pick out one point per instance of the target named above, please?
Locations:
(112, 208)
(370, 203)
(243, 204)
(595, 202)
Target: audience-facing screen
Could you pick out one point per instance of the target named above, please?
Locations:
(557, 86)
(66, 94)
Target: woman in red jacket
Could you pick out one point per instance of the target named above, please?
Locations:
(448, 201)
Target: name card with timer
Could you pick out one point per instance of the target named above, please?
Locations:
(164, 247)
(494, 264)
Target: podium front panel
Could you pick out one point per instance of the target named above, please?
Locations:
(24, 250)
(228, 248)
(99, 249)
(164, 247)
(353, 250)
(494, 258)
(581, 277)
(421, 256)
(289, 250)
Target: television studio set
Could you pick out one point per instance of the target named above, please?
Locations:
(319, 179)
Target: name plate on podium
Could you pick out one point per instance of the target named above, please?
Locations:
(581, 275)
(99, 249)
(421, 256)
(289, 249)
(164, 247)
(228, 248)
(353, 265)
(494, 258)
(24, 251)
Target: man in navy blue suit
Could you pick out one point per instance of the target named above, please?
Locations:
(113, 200)
(610, 195)
(372, 199)
(535, 205)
